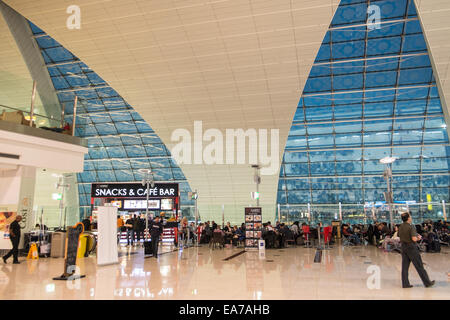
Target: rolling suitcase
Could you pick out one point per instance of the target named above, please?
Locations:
(58, 245)
(45, 248)
(148, 247)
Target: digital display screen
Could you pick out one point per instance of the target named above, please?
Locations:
(140, 204)
(166, 204)
(116, 203)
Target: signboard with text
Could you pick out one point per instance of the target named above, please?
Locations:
(253, 227)
(133, 190)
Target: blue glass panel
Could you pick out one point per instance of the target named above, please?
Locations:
(281, 197)
(295, 157)
(136, 151)
(98, 153)
(60, 83)
(376, 47)
(106, 128)
(322, 169)
(317, 114)
(415, 76)
(124, 175)
(348, 140)
(343, 127)
(348, 168)
(111, 141)
(299, 196)
(347, 50)
(121, 164)
(163, 174)
(318, 84)
(298, 184)
(381, 79)
(178, 174)
(412, 123)
(411, 107)
(348, 82)
(377, 138)
(407, 152)
(320, 141)
(435, 136)
(348, 111)
(59, 54)
(355, 154)
(435, 165)
(156, 150)
(387, 29)
(106, 176)
(46, 42)
(436, 151)
(376, 153)
(351, 14)
(378, 125)
(297, 130)
(319, 156)
(150, 139)
(116, 152)
(414, 43)
(406, 166)
(102, 165)
(379, 109)
(343, 68)
(126, 127)
(296, 169)
(320, 129)
(407, 137)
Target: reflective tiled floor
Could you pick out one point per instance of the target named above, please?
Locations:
(200, 273)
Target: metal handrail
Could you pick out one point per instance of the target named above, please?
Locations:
(34, 114)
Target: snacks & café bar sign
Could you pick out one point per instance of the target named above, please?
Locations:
(133, 190)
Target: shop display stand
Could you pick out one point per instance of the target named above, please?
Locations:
(252, 234)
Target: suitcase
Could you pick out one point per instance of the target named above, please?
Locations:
(45, 249)
(58, 245)
(148, 247)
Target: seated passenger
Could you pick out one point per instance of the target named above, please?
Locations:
(393, 241)
(351, 236)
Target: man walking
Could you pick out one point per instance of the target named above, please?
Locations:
(410, 252)
(155, 231)
(14, 236)
(130, 231)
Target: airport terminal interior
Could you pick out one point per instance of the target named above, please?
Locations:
(224, 149)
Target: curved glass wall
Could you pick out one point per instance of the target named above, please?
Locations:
(370, 94)
(120, 141)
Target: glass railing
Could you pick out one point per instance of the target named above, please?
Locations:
(362, 214)
(53, 217)
(21, 116)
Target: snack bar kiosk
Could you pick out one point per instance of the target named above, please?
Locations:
(130, 199)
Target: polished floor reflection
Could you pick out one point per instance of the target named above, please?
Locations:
(200, 273)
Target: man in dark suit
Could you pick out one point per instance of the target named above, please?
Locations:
(14, 236)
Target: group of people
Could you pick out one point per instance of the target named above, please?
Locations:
(134, 226)
(135, 229)
(230, 234)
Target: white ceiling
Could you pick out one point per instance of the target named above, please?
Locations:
(230, 63)
(15, 79)
(435, 15)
